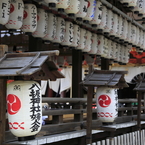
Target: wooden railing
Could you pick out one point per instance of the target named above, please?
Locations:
(68, 114)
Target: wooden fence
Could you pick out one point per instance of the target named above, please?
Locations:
(69, 114)
(133, 138)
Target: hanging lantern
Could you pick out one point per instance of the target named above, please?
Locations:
(138, 8)
(118, 53)
(125, 30)
(114, 29)
(68, 36)
(42, 21)
(107, 104)
(29, 19)
(141, 39)
(60, 30)
(51, 3)
(62, 5)
(110, 50)
(82, 41)
(4, 11)
(90, 11)
(88, 36)
(94, 45)
(24, 108)
(129, 34)
(82, 11)
(137, 37)
(132, 4)
(102, 46)
(126, 55)
(103, 22)
(76, 36)
(133, 32)
(51, 28)
(143, 10)
(73, 8)
(109, 18)
(16, 15)
(120, 26)
(97, 15)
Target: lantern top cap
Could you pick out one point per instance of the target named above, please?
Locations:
(29, 63)
(106, 78)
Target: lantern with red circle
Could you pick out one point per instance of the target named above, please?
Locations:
(4, 11)
(76, 36)
(90, 11)
(68, 36)
(73, 8)
(24, 108)
(88, 36)
(62, 5)
(82, 41)
(51, 28)
(97, 15)
(42, 22)
(82, 11)
(51, 3)
(60, 30)
(94, 45)
(107, 104)
(16, 15)
(29, 18)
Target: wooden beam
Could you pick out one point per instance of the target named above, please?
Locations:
(2, 109)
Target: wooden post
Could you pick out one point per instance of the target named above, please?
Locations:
(89, 111)
(2, 109)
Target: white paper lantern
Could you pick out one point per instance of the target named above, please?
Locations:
(103, 22)
(97, 15)
(125, 30)
(114, 28)
(87, 47)
(118, 53)
(126, 55)
(133, 32)
(109, 21)
(42, 22)
(29, 19)
(82, 11)
(60, 30)
(110, 50)
(4, 11)
(90, 10)
(120, 26)
(107, 104)
(51, 28)
(143, 10)
(102, 46)
(82, 41)
(143, 42)
(138, 8)
(73, 8)
(137, 36)
(16, 15)
(141, 39)
(24, 108)
(51, 3)
(62, 5)
(94, 46)
(68, 36)
(123, 54)
(129, 34)
(76, 36)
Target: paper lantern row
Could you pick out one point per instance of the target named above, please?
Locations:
(137, 6)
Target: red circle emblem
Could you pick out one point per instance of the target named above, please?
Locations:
(104, 101)
(13, 103)
(88, 4)
(25, 15)
(12, 8)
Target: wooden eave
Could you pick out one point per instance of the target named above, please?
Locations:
(32, 64)
(106, 78)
